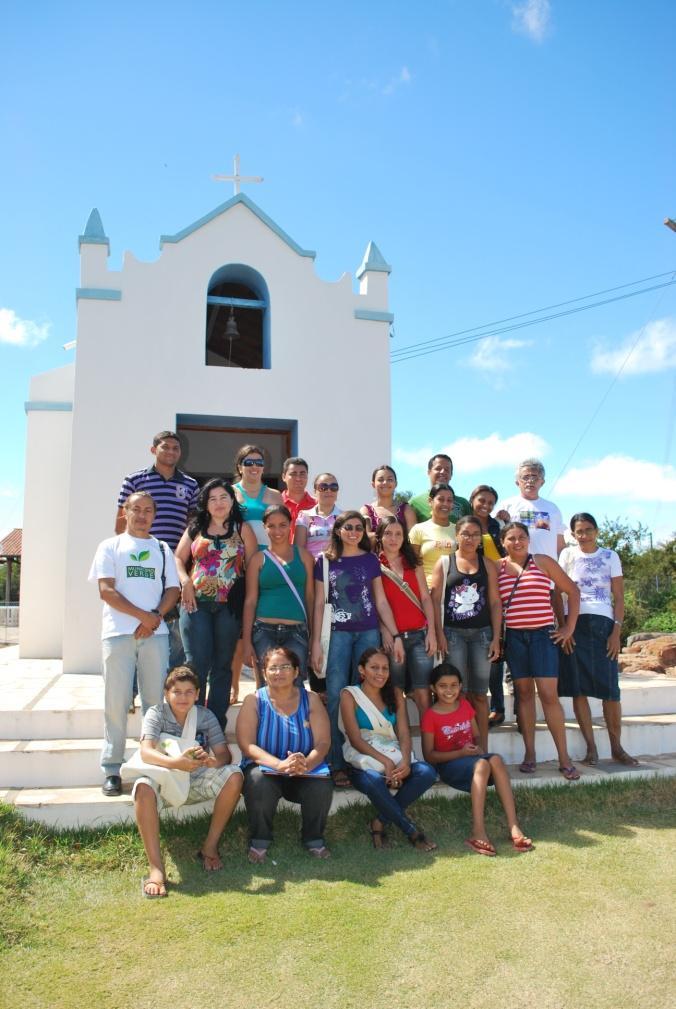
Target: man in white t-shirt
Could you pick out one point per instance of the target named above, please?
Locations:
(138, 584)
(542, 517)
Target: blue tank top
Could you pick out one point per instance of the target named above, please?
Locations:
(364, 722)
(281, 734)
(276, 601)
(253, 510)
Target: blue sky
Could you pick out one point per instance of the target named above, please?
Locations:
(505, 156)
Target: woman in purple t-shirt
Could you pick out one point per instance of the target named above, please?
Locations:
(359, 608)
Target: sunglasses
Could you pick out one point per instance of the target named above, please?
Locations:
(327, 486)
(349, 528)
(253, 462)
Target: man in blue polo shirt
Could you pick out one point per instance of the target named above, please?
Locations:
(175, 495)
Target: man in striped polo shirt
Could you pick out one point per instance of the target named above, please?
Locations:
(175, 495)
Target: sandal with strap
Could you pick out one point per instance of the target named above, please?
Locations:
(257, 855)
(378, 837)
(421, 843)
(321, 852)
(570, 772)
(521, 843)
(481, 847)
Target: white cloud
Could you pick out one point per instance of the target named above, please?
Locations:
(21, 332)
(491, 356)
(655, 351)
(532, 18)
(297, 118)
(620, 476)
(403, 77)
(472, 455)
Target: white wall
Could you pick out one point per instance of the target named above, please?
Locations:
(43, 562)
(140, 362)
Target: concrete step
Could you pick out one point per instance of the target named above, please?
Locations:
(64, 808)
(75, 762)
(40, 702)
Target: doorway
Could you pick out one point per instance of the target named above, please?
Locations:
(209, 445)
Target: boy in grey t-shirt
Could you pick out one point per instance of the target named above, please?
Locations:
(212, 776)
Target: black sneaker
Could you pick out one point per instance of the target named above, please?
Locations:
(112, 785)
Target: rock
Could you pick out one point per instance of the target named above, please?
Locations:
(649, 636)
(634, 649)
(639, 664)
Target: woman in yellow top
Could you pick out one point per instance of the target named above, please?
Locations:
(436, 537)
(482, 501)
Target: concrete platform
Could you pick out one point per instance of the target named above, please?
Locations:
(51, 727)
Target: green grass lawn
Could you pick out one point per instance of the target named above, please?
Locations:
(586, 920)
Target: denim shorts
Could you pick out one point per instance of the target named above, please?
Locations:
(415, 671)
(531, 653)
(468, 652)
(460, 772)
(588, 671)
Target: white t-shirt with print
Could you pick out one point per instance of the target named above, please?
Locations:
(543, 519)
(592, 573)
(136, 566)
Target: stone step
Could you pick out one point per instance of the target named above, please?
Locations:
(67, 808)
(42, 763)
(43, 703)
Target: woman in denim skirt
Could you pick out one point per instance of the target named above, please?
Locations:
(279, 596)
(465, 590)
(525, 583)
(589, 663)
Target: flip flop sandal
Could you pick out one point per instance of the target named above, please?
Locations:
(528, 766)
(257, 855)
(378, 838)
(522, 843)
(341, 780)
(202, 859)
(481, 847)
(570, 772)
(421, 843)
(321, 852)
(153, 896)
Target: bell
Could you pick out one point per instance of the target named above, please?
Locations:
(231, 331)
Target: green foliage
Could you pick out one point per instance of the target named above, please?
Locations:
(402, 496)
(649, 576)
(16, 577)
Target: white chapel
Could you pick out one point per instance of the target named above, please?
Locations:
(228, 337)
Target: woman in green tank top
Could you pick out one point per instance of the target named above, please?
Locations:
(279, 595)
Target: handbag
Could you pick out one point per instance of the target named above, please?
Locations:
(174, 785)
(327, 620)
(503, 622)
(381, 737)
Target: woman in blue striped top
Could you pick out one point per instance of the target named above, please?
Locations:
(284, 735)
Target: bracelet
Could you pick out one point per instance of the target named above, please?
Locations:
(157, 612)
(618, 622)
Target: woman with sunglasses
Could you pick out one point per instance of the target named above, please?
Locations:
(465, 591)
(313, 527)
(384, 483)
(407, 593)
(359, 608)
(252, 494)
(279, 595)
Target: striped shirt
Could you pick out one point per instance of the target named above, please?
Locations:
(175, 498)
(283, 734)
(531, 604)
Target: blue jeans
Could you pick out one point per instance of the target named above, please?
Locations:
(210, 637)
(345, 651)
(417, 665)
(292, 636)
(391, 808)
(468, 652)
(123, 656)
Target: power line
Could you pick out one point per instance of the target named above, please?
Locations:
(610, 388)
(426, 347)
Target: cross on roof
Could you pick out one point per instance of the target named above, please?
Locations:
(236, 178)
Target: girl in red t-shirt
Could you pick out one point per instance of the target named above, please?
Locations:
(449, 734)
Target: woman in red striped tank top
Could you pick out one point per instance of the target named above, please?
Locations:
(532, 637)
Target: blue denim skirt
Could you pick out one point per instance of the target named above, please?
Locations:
(588, 672)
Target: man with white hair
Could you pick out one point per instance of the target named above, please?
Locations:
(542, 517)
